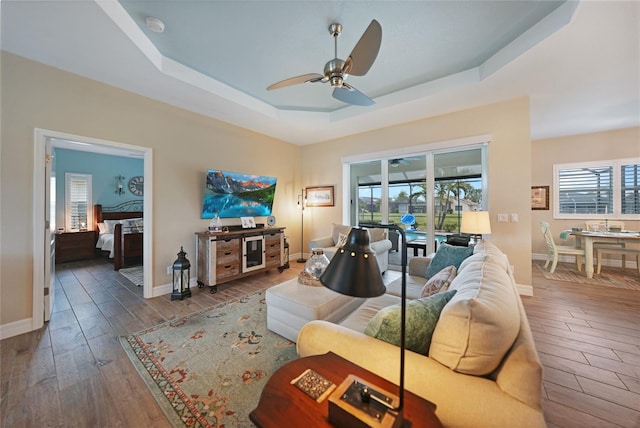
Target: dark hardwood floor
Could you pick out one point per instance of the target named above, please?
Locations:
(74, 373)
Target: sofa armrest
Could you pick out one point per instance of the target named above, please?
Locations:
(381, 246)
(324, 242)
(461, 400)
(418, 266)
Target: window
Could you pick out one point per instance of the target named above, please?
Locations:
(597, 189)
(630, 188)
(77, 201)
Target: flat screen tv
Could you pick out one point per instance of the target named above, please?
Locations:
(233, 195)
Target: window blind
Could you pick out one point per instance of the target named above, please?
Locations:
(78, 199)
(630, 189)
(586, 190)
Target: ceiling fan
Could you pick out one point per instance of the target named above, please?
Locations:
(394, 163)
(336, 70)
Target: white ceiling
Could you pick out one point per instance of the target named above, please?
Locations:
(578, 62)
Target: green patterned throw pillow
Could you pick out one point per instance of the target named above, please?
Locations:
(421, 318)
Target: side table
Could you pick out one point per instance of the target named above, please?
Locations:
(283, 404)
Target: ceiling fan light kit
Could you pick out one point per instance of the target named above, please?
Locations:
(337, 70)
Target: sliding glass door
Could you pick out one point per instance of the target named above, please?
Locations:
(424, 193)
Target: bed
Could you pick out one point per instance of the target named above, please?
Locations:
(120, 232)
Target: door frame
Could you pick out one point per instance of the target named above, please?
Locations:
(40, 250)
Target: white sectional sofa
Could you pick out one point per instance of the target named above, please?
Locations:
(378, 242)
(482, 368)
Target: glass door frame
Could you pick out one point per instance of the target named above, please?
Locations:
(350, 213)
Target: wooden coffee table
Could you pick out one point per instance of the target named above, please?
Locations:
(282, 404)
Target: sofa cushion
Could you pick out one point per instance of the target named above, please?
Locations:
(480, 323)
(337, 229)
(447, 255)
(377, 234)
(421, 319)
(342, 240)
(439, 282)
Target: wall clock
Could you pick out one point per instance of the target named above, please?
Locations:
(136, 185)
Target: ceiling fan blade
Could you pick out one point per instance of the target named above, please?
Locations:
(350, 95)
(366, 50)
(311, 77)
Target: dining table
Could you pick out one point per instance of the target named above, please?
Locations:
(589, 237)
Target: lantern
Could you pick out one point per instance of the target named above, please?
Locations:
(181, 275)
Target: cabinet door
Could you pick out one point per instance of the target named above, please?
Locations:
(274, 249)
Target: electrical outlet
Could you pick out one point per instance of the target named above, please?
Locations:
(503, 218)
(169, 269)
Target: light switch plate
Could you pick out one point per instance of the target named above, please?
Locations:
(514, 218)
(503, 218)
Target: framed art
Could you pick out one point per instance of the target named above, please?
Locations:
(320, 196)
(248, 222)
(539, 197)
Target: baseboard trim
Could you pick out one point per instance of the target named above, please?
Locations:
(524, 290)
(16, 328)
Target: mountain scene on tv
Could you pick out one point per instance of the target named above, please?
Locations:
(232, 194)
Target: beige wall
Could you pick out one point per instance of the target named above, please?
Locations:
(618, 144)
(184, 146)
(509, 168)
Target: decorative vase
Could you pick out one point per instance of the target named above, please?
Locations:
(317, 263)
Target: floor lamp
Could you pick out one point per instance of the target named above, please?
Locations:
(354, 271)
(301, 202)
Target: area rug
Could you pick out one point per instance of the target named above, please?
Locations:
(134, 274)
(609, 276)
(207, 370)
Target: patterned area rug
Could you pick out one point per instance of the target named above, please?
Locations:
(207, 370)
(609, 276)
(134, 274)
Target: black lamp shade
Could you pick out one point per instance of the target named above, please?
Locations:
(353, 270)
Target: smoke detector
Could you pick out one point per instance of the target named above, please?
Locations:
(154, 24)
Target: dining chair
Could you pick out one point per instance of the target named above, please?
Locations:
(601, 226)
(553, 250)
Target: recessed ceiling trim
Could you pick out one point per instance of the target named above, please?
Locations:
(172, 68)
(544, 28)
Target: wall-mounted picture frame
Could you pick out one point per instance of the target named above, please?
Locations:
(539, 197)
(320, 196)
(248, 222)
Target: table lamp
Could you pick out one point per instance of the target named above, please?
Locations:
(354, 271)
(475, 223)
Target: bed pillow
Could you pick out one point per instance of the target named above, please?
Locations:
(439, 282)
(111, 224)
(102, 228)
(421, 318)
(447, 255)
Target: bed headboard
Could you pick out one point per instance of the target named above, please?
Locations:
(129, 209)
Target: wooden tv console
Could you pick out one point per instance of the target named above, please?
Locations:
(220, 257)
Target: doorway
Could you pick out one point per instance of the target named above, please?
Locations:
(42, 249)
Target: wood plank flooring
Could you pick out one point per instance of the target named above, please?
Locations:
(588, 338)
(74, 373)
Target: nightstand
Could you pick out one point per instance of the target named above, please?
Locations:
(75, 246)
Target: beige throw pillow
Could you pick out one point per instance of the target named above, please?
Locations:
(479, 325)
(342, 240)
